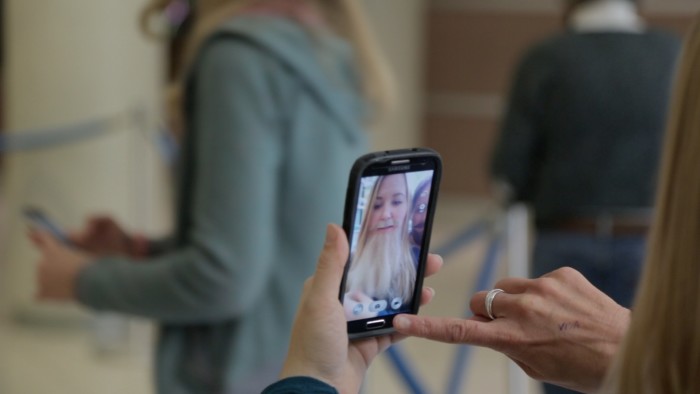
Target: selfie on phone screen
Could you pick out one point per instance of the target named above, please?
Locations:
(386, 244)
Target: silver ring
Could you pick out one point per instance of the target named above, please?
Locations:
(489, 301)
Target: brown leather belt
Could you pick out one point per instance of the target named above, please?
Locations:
(601, 226)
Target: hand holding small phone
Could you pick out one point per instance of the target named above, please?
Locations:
(389, 211)
(60, 261)
(103, 236)
(319, 345)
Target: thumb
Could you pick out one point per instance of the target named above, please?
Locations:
(44, 240)
(76, 237)
(331, 262)
(359, 296)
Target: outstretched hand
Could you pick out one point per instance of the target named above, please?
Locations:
(558, 328)
(319, 346)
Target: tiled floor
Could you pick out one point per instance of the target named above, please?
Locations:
(38, 359)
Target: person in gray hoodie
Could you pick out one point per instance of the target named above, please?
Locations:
(275, 96)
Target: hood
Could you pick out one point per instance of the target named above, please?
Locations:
(289, 42)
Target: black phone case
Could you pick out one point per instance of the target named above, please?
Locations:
(357, 328)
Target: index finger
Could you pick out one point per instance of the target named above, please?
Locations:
(449, 330)
(503, 304)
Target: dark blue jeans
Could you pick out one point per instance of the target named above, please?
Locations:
(612, 264)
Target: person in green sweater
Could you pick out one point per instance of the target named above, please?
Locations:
(274, 97)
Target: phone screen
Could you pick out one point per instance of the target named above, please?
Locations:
(387, 242)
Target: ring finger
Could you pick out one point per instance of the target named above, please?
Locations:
(500, 304)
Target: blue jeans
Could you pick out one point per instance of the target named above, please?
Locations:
(612, 264)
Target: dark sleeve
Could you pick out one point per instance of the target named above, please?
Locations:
(223, 269)
(300, 385)
(514, 156)
(159, 246)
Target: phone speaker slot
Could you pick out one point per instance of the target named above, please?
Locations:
(374, 324)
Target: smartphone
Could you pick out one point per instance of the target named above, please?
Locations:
(388, 217)
(40, 220)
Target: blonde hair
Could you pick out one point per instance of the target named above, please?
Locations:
(403, 274)
(661, 353)
(344, 17)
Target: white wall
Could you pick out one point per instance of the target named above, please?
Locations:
(67, 61)
(399, 26)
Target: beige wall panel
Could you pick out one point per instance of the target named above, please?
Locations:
(671, 7)
(476, 52)
(66, 62)
(679, 24)
(399, 26)
(465, 145)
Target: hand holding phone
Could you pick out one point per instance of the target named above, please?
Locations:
(389, 211)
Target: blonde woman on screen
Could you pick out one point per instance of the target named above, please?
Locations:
(382, 266)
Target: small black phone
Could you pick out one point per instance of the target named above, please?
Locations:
(39, 219)
(389, 209)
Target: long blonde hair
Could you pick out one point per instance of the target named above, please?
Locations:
(396, 278)
(661, 353)
(344, 17)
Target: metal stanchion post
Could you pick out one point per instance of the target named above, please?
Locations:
(518, 258)
(110, 330)
(484, 279)
(461, 240)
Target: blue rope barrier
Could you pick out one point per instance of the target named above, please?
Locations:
(486, 276)
(403, 368)
(462, 239)
(167, 145)
(162, 139)
(49, 137)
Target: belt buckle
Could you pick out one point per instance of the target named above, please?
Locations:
(604, 225)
